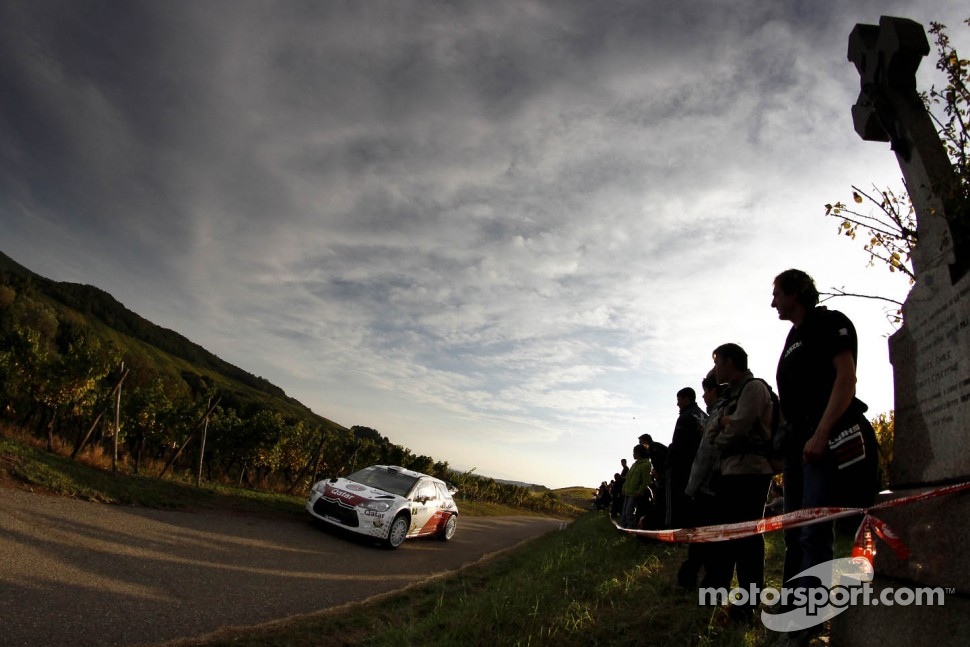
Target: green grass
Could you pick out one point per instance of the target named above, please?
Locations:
(581, 497)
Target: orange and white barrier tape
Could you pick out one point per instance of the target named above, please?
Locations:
(864, 541)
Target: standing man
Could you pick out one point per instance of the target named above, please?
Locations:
(657, 453)
(700, 489)
(745, 423)
(616, 506)
(636, 488)
(816, 386)
(680, 457)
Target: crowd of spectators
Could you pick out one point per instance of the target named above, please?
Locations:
(752, 453)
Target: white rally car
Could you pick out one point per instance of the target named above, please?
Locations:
(388, 503)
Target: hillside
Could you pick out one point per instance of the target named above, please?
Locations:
(68, 343)
(146, 343)
(98, 305)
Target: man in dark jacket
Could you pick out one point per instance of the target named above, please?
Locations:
(680, 456)
(817, 385)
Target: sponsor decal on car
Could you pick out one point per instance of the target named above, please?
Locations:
(436, 520)
(349, 497)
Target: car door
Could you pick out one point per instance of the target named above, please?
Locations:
(424, 505)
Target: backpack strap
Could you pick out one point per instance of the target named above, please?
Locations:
(761, 445)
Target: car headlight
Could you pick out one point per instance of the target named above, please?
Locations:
(376, 506)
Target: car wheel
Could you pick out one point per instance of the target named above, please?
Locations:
(398, 531)
(446, 533)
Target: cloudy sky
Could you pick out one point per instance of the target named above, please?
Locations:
(504, 234)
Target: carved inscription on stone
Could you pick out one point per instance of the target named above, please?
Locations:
(941, 351)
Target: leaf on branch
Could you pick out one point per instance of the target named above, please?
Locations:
(857, 197)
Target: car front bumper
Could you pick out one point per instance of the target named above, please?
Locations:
(342, 515)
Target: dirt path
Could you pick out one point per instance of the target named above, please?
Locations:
(79, 573)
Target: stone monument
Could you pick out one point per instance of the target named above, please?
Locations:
(930, 355)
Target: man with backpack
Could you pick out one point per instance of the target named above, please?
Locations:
(743, 434)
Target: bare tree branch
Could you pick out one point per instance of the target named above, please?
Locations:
(842, 293)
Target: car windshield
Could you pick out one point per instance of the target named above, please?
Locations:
(384, 479)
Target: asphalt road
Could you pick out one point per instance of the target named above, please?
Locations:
(79, 573)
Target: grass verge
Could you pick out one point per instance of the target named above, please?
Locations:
(33, 468)
(586, 585)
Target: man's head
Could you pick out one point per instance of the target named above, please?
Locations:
(730, 363)
(710, 388)
(793, 294)
(639, 451)
(686, 397)
(645, 440)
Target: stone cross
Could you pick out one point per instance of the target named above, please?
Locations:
(930, 354)
(889, 109)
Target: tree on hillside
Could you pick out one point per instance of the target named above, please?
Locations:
(148, 408)
(51, 366)
(28, 329)
(73, 375)
(885, 427)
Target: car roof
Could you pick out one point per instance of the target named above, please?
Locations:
(406, 472)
